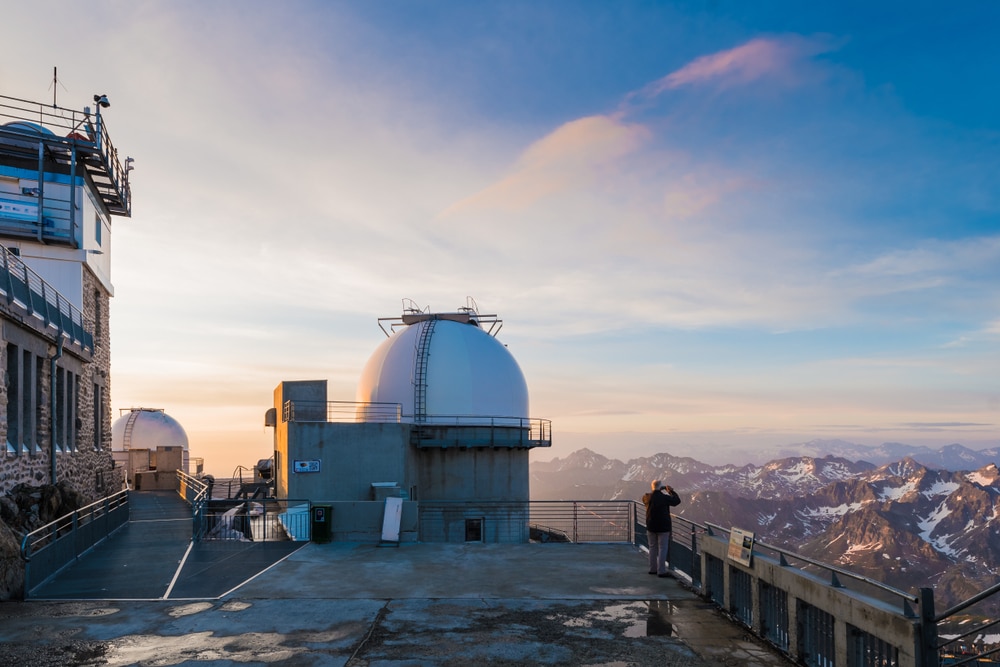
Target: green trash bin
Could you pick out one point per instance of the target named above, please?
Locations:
(322, 516)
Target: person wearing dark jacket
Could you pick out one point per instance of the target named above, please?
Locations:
(658, 525)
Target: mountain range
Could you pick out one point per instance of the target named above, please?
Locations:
(906, 523)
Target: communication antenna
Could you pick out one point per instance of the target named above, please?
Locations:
(55, 85)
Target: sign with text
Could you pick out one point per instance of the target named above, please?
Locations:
(740, 546)
(311, 465)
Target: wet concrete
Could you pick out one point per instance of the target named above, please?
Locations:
(419, 604)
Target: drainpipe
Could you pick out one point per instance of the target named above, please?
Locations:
(52, 405)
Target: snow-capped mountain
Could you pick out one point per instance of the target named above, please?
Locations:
(903, 523)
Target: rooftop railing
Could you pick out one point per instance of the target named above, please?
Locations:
(67, 136)
(41, 302)
(340, 412)
(431, 430)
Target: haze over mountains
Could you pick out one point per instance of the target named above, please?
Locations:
(928, 519)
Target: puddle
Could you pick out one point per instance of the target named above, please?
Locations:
(188, 609)
(651, 618)
(657, 623)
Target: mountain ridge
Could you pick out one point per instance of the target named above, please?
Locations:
(901, 522)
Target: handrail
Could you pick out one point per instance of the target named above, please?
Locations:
(195, 492)
(67, 519)
(961, 606)
(832, 568)
(24, 287)
(74, 132)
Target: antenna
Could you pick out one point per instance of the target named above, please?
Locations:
(55, 85)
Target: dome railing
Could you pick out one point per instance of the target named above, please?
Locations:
(433, 430)
(481, 431)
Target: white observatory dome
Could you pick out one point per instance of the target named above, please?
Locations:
(147, 428)
(444, 365)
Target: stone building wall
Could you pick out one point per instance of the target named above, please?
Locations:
(90, 468)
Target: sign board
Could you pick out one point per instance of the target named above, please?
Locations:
(391, 519)
(740, 546)
(311, 465)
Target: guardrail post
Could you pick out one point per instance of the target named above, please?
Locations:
(927, 651)
(575, 534)
(75, 524)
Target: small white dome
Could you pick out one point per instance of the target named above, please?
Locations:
(147, 428)
(466, 372)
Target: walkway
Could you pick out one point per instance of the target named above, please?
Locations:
(153, 558)
(354, 604)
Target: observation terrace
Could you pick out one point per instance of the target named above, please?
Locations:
(577, 593)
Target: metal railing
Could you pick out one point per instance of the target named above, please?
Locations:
(40, 301)
(481, 431)
(195, 492)
(340, 412)
(431, 431)
(67, 134)
(817, 614)
(261, 520)
(967, 647)
(583, 521)
(57, 544)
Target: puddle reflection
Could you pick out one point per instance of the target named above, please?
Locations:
(657, 622)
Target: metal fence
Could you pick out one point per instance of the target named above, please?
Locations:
(261, 520)
(582, 521)
(49, 549)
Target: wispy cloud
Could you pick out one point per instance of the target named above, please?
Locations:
(778, 60)
(572, 156)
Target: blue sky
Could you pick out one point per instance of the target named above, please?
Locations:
(711, 228)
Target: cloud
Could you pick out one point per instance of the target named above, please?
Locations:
(781, 60)
(572, 156)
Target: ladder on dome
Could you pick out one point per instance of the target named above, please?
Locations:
(129, 425)
(420, 372)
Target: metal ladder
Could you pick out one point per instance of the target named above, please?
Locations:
(420, 372)
(129, 425)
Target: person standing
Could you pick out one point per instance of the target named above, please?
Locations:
(658, 525)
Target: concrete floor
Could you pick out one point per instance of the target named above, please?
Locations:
(416, 604)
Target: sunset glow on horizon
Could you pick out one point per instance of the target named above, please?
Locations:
(707, 227)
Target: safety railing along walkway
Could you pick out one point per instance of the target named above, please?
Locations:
(818, 614)
(56, 545)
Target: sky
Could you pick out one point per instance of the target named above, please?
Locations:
(710, 228)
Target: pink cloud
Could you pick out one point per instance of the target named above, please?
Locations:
(780, 59)
(570, 156)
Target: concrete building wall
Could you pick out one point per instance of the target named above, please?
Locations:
(349, 458)
(362, 521)
(337, 463)
(453, 473)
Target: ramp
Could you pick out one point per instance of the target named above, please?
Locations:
(153, 558)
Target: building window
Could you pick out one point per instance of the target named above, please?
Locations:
(98, 223)
(65, 417)
(97, 319)
(36, 407)
(59, 418)
(98, 416)
(24, 396)
(13, 399)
